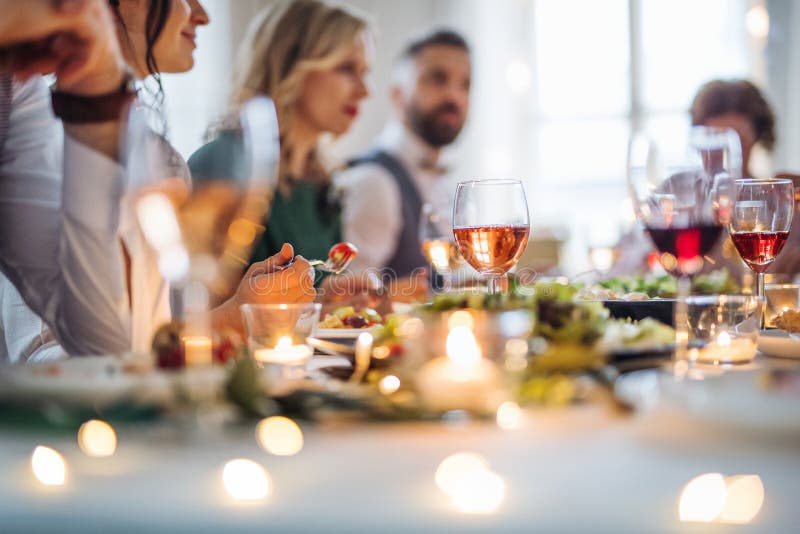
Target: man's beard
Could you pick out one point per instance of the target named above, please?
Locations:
(433, 132)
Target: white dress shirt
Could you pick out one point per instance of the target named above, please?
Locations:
(73, 277)
(372, 204)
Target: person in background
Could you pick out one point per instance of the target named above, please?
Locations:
(734, 104)
(740, 106)
(90, 302)
(385, 189)
(312, 59)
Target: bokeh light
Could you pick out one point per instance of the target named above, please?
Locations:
(97, 439)
(509, 416)
(703, 498)
(280, 436)
(456, 467)
(479, 492)
(389, 384)
(246, 480)
(745, 499)
(49, 467)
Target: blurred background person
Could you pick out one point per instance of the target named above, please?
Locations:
(740, 106)
(385, 189)
(312, 59)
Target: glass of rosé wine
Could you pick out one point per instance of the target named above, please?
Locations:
(760, 223)
(682, 196)
(491, 225)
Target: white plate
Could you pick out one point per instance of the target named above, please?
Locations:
(101, 381)
(343, 333)
(780, 344)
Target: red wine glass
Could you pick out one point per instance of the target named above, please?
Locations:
(681, 193)
(759, 226)
(491, 225)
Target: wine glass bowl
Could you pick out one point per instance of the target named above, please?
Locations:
(760, 222)
(202, 231)
(682, 196)
(491, 225)
(436, 240)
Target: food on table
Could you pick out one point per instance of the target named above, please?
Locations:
(349, 317)
(645, 287)
(167, 346)
(788, 321)
(646, 334)
(342, 253)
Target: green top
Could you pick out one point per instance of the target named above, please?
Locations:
(303, 218)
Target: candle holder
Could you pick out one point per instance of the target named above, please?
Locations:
(466, 359)
(276, 334)
(723, 329)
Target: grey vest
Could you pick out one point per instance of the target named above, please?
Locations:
(407, 256)
(6, 94)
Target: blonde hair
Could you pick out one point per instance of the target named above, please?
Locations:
(286, 41)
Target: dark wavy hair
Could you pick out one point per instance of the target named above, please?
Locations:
(719, 97)
(157, 14)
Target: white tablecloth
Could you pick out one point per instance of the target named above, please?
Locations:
(578, 469)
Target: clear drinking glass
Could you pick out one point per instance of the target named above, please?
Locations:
(491, 225)
(437, 242)
(760, 223)
(203, 231)
(681, 193)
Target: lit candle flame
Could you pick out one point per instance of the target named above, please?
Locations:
(462, 347)
(724, 339)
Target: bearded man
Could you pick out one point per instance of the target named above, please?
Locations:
(385, 189)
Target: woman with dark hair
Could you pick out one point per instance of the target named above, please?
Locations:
(155, 36)
(739, 105)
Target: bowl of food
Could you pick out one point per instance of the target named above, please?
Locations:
(779, 299)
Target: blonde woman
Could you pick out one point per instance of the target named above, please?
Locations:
(311, 58)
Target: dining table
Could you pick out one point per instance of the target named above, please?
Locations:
(585, 467)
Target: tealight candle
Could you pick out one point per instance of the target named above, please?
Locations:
(725, 349)
(284, 353)
(463, 380)
(197, 350)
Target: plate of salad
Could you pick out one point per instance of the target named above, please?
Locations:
(346, 322)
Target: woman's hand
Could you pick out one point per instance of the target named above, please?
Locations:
(281, 279)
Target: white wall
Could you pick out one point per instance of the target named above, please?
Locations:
(196, 98)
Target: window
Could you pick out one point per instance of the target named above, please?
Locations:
(603, 69)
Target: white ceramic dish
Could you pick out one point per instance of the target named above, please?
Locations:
(102, 381)
(779, 344)
(343, 333)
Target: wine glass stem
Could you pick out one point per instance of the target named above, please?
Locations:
(495, 283)
(681, 319)
(760, 294)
